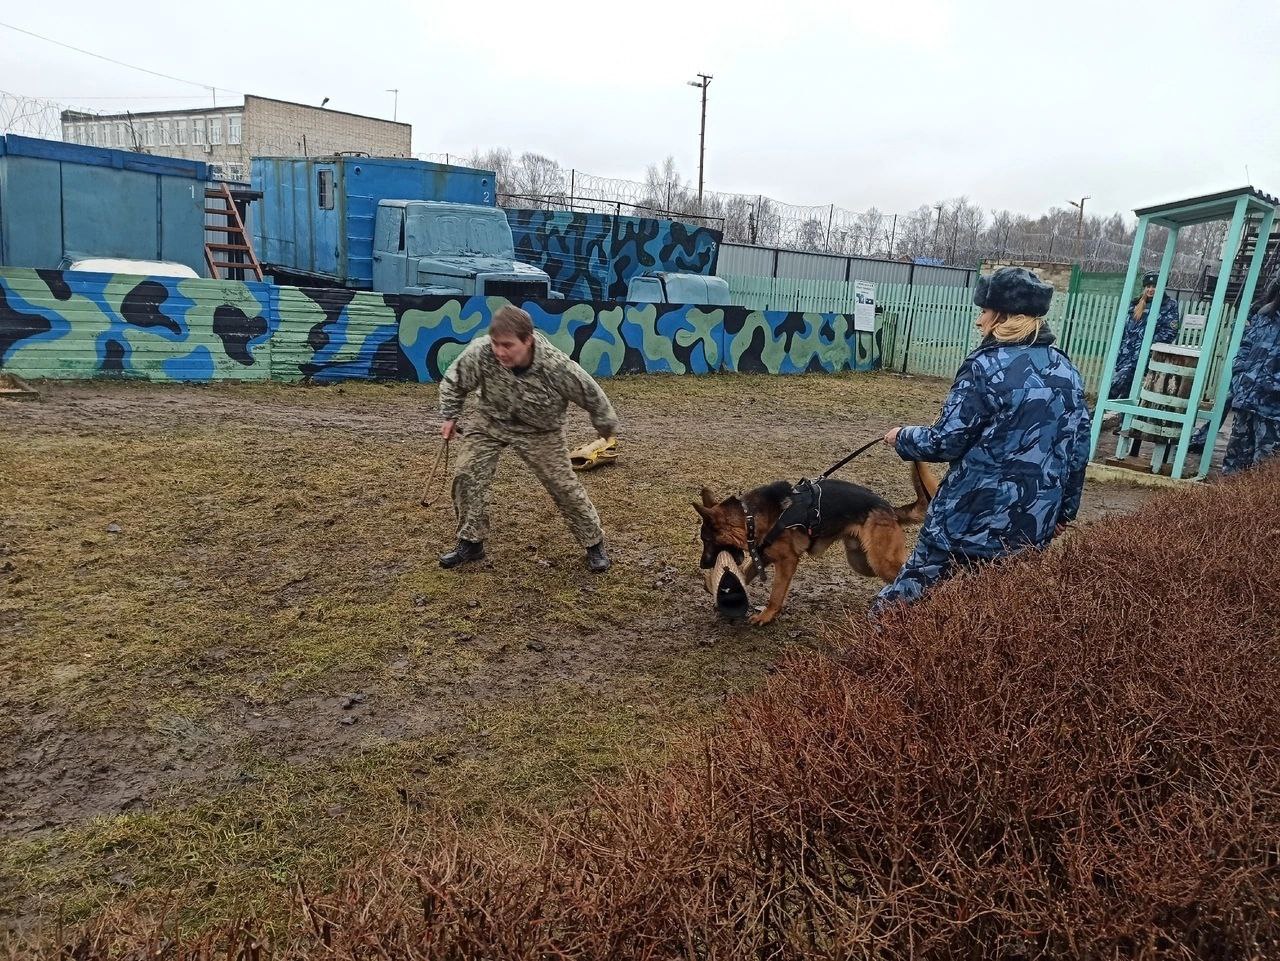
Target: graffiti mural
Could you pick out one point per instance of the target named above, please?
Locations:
(62, 324)
(593, 256)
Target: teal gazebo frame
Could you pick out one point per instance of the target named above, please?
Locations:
(1237, 206)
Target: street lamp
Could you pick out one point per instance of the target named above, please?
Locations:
(1079, 227)
(703, 81)
(395, 105)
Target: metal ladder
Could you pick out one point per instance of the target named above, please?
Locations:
(235, 254)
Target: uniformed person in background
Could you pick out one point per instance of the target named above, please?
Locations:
(1135, 326)
(521, 386)
(1255, 387)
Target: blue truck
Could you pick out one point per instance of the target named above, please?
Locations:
(386, 224)
(62, 203)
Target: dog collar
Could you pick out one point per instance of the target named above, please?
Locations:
(752, 547)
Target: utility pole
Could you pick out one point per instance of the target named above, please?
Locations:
(395, 104)
(1079, 226)
(703, 81)
(937, 228)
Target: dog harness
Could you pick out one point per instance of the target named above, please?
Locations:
(801, 509)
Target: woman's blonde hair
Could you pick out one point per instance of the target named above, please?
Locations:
(1014, 328)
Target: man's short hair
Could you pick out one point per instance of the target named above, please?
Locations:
(511, 321)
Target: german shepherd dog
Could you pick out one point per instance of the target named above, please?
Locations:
(869, 526)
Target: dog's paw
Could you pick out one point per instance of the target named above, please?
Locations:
(761, 619)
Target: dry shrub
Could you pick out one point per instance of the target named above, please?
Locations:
(1070, 755)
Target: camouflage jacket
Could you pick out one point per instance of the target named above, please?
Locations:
(1166, 330)
(1255, 375)
(527, 403)
(1015, 429)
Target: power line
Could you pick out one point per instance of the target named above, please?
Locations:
(66, 98)
(119, 63)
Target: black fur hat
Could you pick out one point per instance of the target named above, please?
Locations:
(1150, 278)
(1014, 290)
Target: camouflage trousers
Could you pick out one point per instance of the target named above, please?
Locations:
(545, 453)
(928, 565)
(1253, 439)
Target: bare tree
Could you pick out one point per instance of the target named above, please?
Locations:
(870, 232)
(499, 161)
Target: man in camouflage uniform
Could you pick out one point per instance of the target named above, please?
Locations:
(1255, 387)
(1135, 327)
(1015, 430)
(523, 385)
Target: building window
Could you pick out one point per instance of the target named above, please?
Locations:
(108, 135)
(69, 133)
(93, 135)
(180, 137)
(164, 133)
(149, 137)
(197, 130)
(233, 128)
(123, 138)
(215, 130)
(324, 189)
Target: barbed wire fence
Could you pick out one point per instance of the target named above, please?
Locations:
(30, 116)
(931, 233)
(957, 233)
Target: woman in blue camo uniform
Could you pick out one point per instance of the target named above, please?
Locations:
(1255, 387)
(1134, 327)
(1015, 430)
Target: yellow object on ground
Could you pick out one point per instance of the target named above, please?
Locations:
(590, 456)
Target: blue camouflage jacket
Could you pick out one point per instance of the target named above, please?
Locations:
(1166, 330)
(1255, 375)
(1015, 430)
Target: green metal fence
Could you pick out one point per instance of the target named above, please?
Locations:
(928, 330)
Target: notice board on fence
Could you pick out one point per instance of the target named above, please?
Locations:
(864, 311)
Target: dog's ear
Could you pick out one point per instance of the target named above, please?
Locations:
(708, 498)
(703, 511)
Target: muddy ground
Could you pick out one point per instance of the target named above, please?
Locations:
(227, 654)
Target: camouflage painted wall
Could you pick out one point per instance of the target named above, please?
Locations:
(593, 256)
(56, 324)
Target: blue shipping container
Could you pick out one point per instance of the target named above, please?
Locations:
(61, 202)
(316, 215)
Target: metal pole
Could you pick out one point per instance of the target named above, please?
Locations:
(893, 233)
(573, 173)
(702, 145)
(937, 228)
(1216, 309)
(702, 136)
(1079, 228)
(1233, 347)
(1117, 335)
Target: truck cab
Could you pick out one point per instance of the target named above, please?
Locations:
(450, 249)
(663, 287)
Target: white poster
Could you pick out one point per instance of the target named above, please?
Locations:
(864, 312)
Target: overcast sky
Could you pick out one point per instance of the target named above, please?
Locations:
(893, 104)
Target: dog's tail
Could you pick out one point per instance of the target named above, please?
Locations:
(926, 486)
